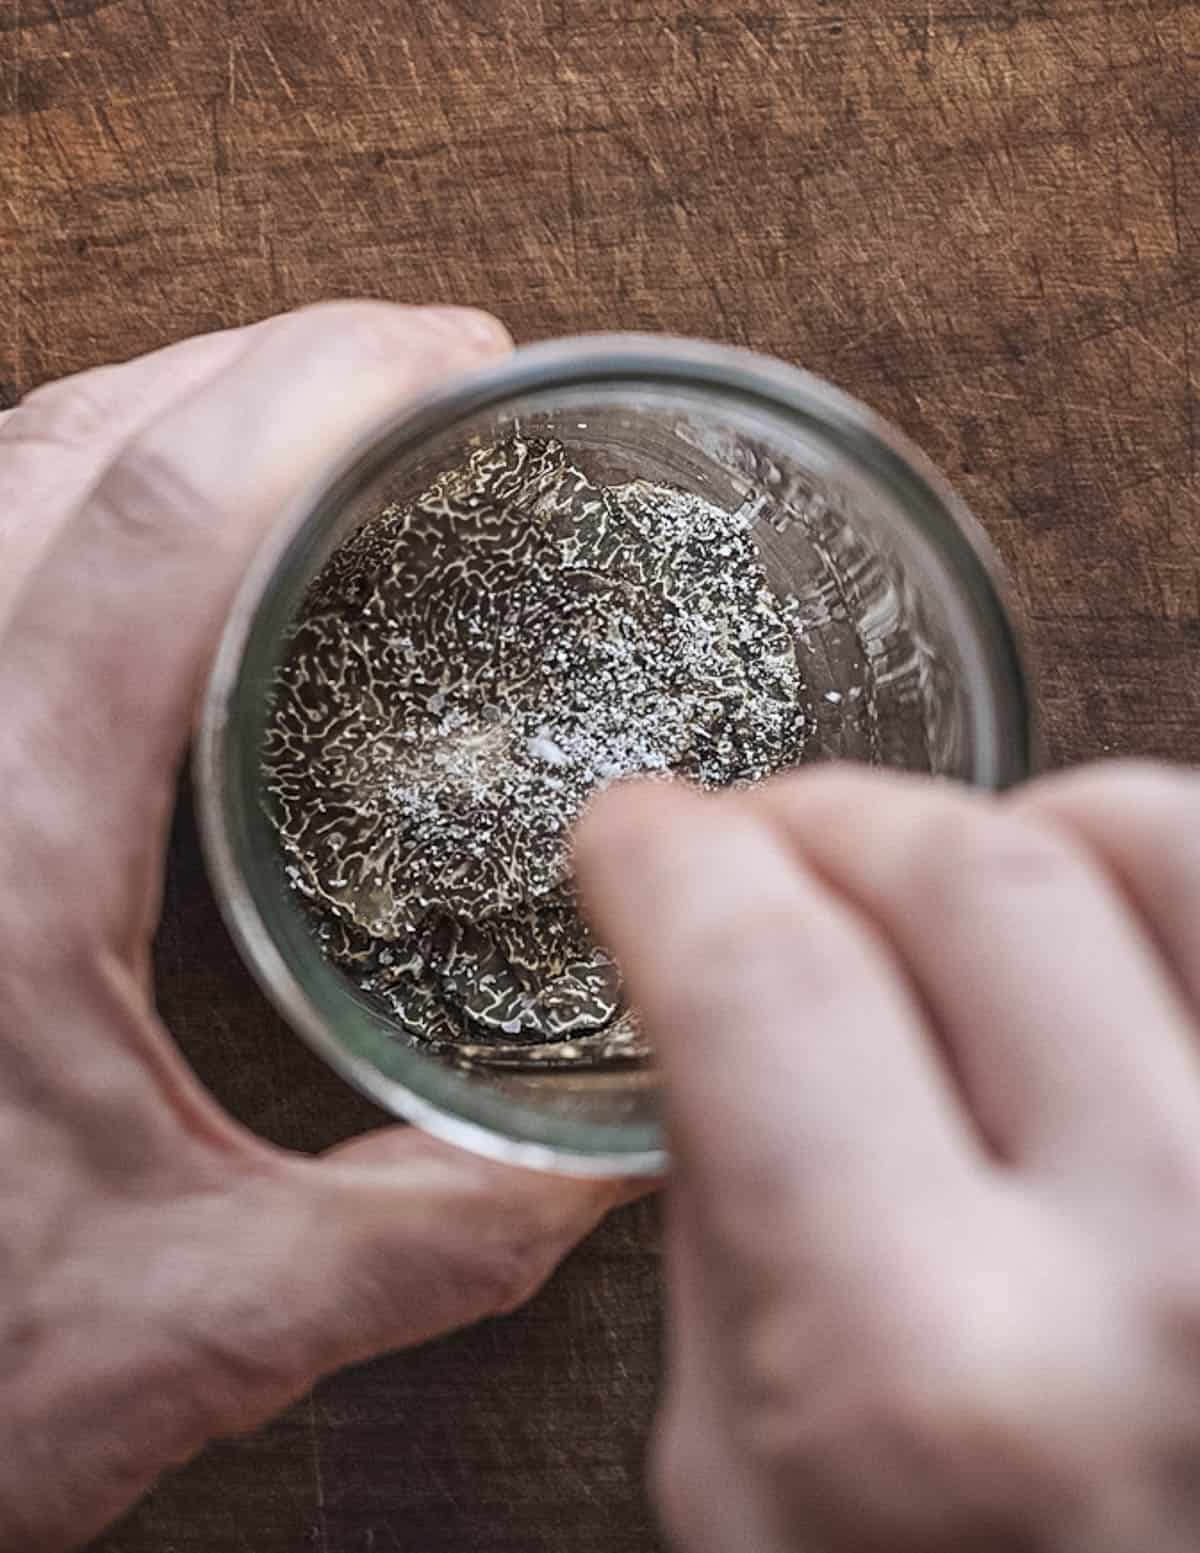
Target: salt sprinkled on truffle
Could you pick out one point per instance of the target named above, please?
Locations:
(463, 675)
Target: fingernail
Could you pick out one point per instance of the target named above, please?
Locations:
(473, 323)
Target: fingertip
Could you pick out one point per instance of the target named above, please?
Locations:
(473, 325)
(621, 824)
(630, 806)
(379, 333)
(633, 1189)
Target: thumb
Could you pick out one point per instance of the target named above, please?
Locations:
(386, 1242)
(409, 1238)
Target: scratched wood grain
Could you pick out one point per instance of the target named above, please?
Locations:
(981, 218)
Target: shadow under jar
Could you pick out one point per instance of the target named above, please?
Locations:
(905, 655)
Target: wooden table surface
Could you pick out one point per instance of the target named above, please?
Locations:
(981, 219)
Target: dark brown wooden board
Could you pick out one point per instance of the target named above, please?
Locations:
(980, 218)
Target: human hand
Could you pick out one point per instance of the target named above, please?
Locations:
(165, 1276)
(934, 1103)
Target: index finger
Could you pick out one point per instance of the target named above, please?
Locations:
(55, 443)
(798, 1065)
(104, 654)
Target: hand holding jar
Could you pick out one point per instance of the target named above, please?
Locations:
(166, 1276)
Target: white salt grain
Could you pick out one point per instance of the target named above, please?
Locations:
(544, 749)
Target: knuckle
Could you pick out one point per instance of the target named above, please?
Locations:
(932, 1407)
(492, 1277)
(952, 1402)
(921, 1392)
(513, 1268)
(1167, 801)
(380, 335)
(680, 1488)
(1161, 797)
(1142, 814)
(960, 849)
(1175, 1181)
(833, 796)
(1173, 1302)
(935, 1432)
(1118, 779)
(511, 1279)
(45, 927)
(144, 496)
(71, 411)
(832, 787)
(222, 1386)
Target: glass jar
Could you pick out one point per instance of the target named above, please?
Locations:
(910, 658)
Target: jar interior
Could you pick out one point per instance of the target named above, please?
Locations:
(902, 644)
